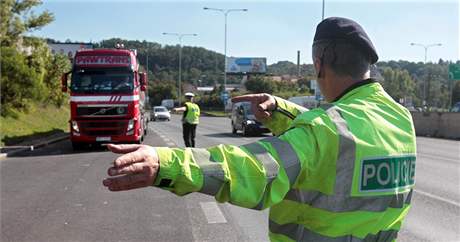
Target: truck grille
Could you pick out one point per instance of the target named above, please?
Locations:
(102, 110)
(103, 128)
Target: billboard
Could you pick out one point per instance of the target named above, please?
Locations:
(242, 65)
(68, 49)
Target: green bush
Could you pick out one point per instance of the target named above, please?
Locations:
(18, 81)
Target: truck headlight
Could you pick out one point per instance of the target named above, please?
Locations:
(130, 125)
(75, 126)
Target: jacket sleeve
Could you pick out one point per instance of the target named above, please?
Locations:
(283, 116)
(256, 175)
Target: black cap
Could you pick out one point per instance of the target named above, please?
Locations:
(336, 28)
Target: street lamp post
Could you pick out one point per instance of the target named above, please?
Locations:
(426, 50)
(180, 36)
(226, 12)
(322, 18)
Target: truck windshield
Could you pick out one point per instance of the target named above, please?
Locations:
(102, 82)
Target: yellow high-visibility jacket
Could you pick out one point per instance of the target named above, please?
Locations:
(192, 115)
(342, 172)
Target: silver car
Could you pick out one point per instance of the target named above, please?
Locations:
(160, 113)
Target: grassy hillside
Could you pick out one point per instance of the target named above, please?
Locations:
(38, 121)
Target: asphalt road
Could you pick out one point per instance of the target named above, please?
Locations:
(54, 194)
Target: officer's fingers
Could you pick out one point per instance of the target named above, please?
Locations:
(124, 182)
(123, 149)
(130, 158)
(267, 105)
(130, 169)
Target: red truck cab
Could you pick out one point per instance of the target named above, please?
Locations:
(107, 95)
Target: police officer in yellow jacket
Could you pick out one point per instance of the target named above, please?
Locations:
(341, 172)
(190, 119)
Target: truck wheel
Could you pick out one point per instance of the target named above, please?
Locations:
(78, 146)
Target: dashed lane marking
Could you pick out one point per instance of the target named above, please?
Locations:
(212, 213)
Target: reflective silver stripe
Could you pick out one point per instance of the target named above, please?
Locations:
(288, 156)
(335, 203)
(298, 232)
(346, 154)
(291, 162)
(213, 173)
(270, 165)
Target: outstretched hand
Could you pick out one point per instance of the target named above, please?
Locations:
(262, 104)
(137, 168)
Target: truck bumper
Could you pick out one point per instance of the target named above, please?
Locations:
(105, 139)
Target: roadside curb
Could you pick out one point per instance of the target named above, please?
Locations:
(33, 147)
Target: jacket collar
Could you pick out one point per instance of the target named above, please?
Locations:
(353, 89)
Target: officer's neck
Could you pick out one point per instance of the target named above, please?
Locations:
(335, 85)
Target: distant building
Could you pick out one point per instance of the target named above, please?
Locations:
(288, 78)
(68, 49)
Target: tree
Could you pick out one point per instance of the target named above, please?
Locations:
(29, 71)
(259, 84)
(17, 81)
(455, 92)
(18, 19)
(58, 64)
(398, 83)
(161, 90)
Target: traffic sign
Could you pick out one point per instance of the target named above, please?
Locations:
(454, 71)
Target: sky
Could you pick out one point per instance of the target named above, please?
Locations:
(272, 29)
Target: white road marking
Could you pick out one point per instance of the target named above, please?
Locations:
(452, 202)
(171, 144)
(212, 213)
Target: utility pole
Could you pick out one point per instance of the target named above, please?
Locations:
(180, 36)
(225, 12)
(322, 18)
(298, 63)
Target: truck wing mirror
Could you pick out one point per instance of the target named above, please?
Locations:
(143, 76)
(64, 82)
